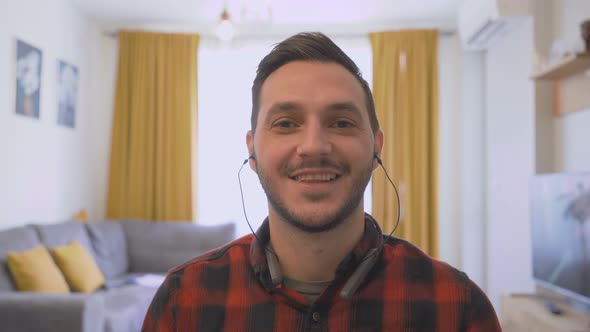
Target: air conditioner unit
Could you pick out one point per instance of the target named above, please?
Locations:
(482, 22)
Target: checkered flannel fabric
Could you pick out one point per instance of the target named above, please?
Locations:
(230, 289)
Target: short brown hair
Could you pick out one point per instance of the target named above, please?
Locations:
(308, 46)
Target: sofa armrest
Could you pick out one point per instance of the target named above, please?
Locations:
(32, 312)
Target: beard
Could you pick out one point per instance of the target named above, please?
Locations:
(329, 221)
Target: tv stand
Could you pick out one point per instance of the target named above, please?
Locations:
(529, 312)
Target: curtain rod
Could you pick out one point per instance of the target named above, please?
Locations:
(442, 33)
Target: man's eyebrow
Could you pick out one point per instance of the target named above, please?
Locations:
(293, 108)
(345, 106)
(284, 107)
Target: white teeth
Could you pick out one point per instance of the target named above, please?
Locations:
(316, 177)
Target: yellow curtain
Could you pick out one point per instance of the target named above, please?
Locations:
(154, 125)
(405, 87)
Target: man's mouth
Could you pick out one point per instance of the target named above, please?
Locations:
(316, 177)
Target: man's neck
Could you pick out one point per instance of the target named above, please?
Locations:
(313, 257)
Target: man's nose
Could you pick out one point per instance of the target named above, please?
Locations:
(315, 141)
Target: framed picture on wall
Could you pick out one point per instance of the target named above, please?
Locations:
(28, 79)
(67, 93)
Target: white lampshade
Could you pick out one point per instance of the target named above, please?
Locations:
(225, 30)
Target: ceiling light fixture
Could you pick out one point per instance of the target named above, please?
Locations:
(225, 29)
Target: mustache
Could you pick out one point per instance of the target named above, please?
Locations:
(316, 163)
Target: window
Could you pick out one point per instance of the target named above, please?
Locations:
(225, 81)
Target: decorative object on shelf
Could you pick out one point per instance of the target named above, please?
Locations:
(568, 68)
(539, 62)
(585, 27)
(67, 93)
(28, 79)
(569, 85)
(559, 50)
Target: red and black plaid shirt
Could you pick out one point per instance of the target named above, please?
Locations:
(230, 289)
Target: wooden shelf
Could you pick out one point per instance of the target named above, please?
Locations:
(569, 65)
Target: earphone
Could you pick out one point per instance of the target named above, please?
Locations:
(376, 156)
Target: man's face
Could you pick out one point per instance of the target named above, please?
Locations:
(313, 144)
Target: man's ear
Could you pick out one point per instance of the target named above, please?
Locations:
(377, 147)
(250, 145)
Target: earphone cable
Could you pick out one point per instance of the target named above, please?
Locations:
(246, 216)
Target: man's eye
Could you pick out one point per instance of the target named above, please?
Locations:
(284, 124)
(342, 124)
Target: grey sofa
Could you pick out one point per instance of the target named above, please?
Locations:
(122, 250)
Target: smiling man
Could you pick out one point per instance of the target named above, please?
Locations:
(318, 262)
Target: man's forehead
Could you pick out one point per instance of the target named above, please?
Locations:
(299, 68)
(296, 83)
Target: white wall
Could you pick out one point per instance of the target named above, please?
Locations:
(450, 150)
(462, 177)
(48, 172)
(572, 135)
(105, 56)
(472, 164)
(510, 161)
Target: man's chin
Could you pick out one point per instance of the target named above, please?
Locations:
(313, 222)
(314, 227)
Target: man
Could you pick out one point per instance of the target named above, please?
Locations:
(318, 262)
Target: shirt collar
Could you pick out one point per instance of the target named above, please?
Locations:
(267, 269)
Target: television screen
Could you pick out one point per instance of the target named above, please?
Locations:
(560, 211)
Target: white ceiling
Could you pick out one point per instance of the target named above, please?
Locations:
(353, 15)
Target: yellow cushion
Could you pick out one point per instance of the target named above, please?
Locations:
(34, 270)
(78, 267)
(81, 216)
